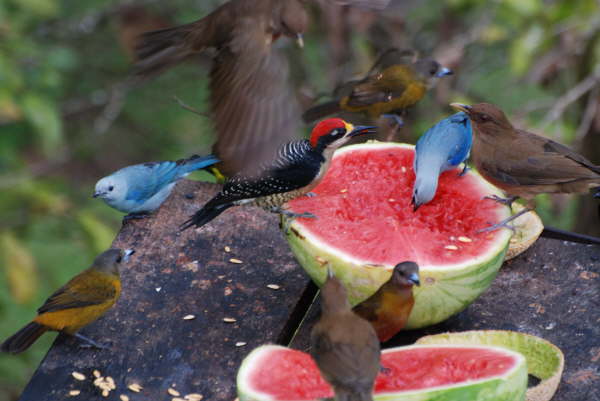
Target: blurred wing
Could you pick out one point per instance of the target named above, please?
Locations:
(393, 56)
(372, 91)
(83, 290)
(253, 106)
(371, 4)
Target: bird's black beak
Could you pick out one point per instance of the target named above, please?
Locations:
(461, 107)
(414, 278)
(443, 72)
(362, 130)
(97, 194)
(415, 204)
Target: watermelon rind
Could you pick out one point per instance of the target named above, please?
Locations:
(544, 359)
(445, 289)
(510, 386)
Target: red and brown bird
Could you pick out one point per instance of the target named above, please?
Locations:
(524, 164)
(252, 104)
(389, 307)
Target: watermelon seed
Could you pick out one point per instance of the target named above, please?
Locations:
(320, 260)
(451, 247)
(344, 190)
(403, 169)
(464, 239)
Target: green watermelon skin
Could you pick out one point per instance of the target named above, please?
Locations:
(511, 386)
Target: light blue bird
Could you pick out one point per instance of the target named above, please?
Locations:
(142, 188)
(443, 147)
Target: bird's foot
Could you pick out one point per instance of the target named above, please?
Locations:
(504, 223)
(310, 194)
(89, 343)
(290, 217)
(135, 216)
(464, 170)
(384, 370)
(505, 201)
(220, 177)
(399, 122)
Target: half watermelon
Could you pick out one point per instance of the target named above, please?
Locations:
(366, 225)
(417, 372)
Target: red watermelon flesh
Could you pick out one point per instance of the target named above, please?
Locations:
(291, 374)
(368, 192)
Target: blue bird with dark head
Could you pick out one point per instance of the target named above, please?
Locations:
(142, 188)
(443, 147)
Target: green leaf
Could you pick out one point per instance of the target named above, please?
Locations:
(43, 114)
(99, 235)
(19, 267)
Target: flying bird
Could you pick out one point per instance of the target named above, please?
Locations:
(443, 147)
(393, 84)
(389, 307)
(524, 164)
(142, 188)
(298, 167)
(81, 301)
(344, 345)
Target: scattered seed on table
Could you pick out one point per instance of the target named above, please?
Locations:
(229, 320)
(189, 317)
(123, 397)
(273, 286)
(111, 383)
(96, 373)
(451, 247)
(173, 392)
(73, 393)
(464, 239)
(105, 393)
(78, 376)
(158, 289)
(177, 399)
(234, 260)
(136, 388)
(240, 343)
(227, 249)
(194, 397)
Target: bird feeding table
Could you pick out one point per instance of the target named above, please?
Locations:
(194, 304)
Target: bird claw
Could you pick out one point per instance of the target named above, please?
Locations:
(89, 343)
(135, 216)
(505, 201)
(464, 170)
(497, 226)
(396, 119)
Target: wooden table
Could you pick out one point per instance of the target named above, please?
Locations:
(552, 291)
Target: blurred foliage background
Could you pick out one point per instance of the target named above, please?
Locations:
(69, 115)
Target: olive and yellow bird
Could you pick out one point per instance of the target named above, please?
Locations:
(345, 346)
(389, 307)
(393, 84)
(82, 300)
(521, 163)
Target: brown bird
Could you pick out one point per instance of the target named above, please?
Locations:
(521, 163)
(78, 303)
(132, 21)
(388, 309)
(253, 106)
(394, 83)
(344, 346)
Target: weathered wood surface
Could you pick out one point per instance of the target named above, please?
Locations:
(551, 291)
(151, 343)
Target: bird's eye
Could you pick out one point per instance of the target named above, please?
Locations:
(111, 188)
(433, 71)
(119, 259)
(339, 131)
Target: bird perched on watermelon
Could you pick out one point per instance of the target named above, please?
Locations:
(395, 82)
(443, 147)
(522, 163)
(252, 105)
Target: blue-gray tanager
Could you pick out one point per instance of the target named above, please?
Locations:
(443, 147)
(142, 188)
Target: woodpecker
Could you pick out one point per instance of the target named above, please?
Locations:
(298, 167)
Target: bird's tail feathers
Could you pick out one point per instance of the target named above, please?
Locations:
(198, 162)
(321, 110)
(204, 215)
(23, 338)
(161, 49)
(597, 194)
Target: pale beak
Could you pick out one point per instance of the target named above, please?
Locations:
(443, 72)
(461, 107)
(300, 40)
(414, 278)
(362, 130)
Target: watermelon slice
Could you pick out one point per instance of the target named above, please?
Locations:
(366, 225)
(417, 372)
